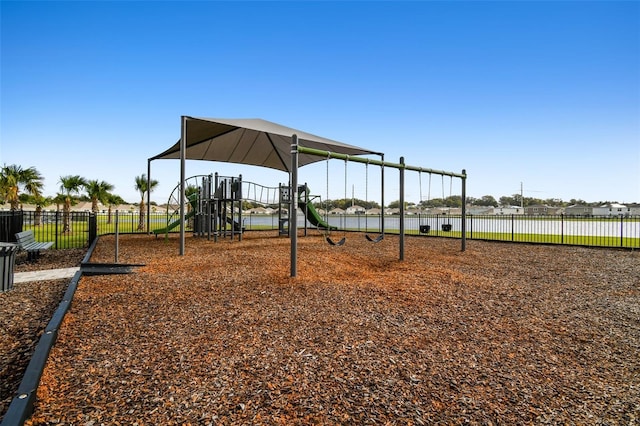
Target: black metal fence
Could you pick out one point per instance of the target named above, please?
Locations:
(72, 230)
(78, 229)
(603, 231)
(595, 231)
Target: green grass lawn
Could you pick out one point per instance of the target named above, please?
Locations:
(599, 241)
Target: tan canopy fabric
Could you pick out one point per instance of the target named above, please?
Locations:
(251, 141)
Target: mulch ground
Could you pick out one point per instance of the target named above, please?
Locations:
(24, 314)
(500, 334)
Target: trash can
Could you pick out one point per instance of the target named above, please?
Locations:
(7, 260)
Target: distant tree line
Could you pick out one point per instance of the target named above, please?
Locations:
(456, 201)
(449, 202)
(517, 200)
(344, 203)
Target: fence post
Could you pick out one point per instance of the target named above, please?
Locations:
(621, 230)
(402, 208)
(117, 248)
(561, 228)
(56, 228)
(464, 210)
(512, 225)
(93, 228)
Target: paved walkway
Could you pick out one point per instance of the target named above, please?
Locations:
(49, 274)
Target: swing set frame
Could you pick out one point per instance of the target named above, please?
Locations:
(296, 149)
(380, 236)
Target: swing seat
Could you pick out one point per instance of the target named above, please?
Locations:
(376, 239)
(446, 227)
(424, 229)
(337, 243)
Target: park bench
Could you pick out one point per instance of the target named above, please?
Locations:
(28, 243)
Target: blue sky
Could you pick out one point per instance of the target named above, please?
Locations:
(546, 93)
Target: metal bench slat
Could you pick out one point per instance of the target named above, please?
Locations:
(26, 240)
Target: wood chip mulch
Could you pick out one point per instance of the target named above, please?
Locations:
(500, 334)
(24, 314)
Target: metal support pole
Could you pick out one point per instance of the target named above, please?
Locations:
(402, 208)
(183, 155)
(306, 206)
(148, 196)
(216, 214)
(209, 201)
(117, 250)
(464, 210)
(238, 195)
(293, 206)
(382, 195)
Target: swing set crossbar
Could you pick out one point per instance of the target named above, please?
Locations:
(372, 161)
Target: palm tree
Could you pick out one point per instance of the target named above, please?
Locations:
(40, 202)
(69, 185)
(59, 199)
(142, 186)
(98, 191)
(112, 200)
(13, 178)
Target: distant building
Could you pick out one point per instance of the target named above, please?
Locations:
(257, 210)
(612, 209)
(82, 206)
(438, 210)
(579, 210)
(634, 209)
(542, 210)
(355, 210)
(508, 210)
(412, 211)
(480, 210)
(130, 208)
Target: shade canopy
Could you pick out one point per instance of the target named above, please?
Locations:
(251, 141)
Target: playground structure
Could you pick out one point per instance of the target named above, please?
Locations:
(266, 144)
(215, 204)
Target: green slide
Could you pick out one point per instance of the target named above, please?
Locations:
(312, 214)
(192, 200)
(174, 224)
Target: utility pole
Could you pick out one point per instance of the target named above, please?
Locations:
(352, 189)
